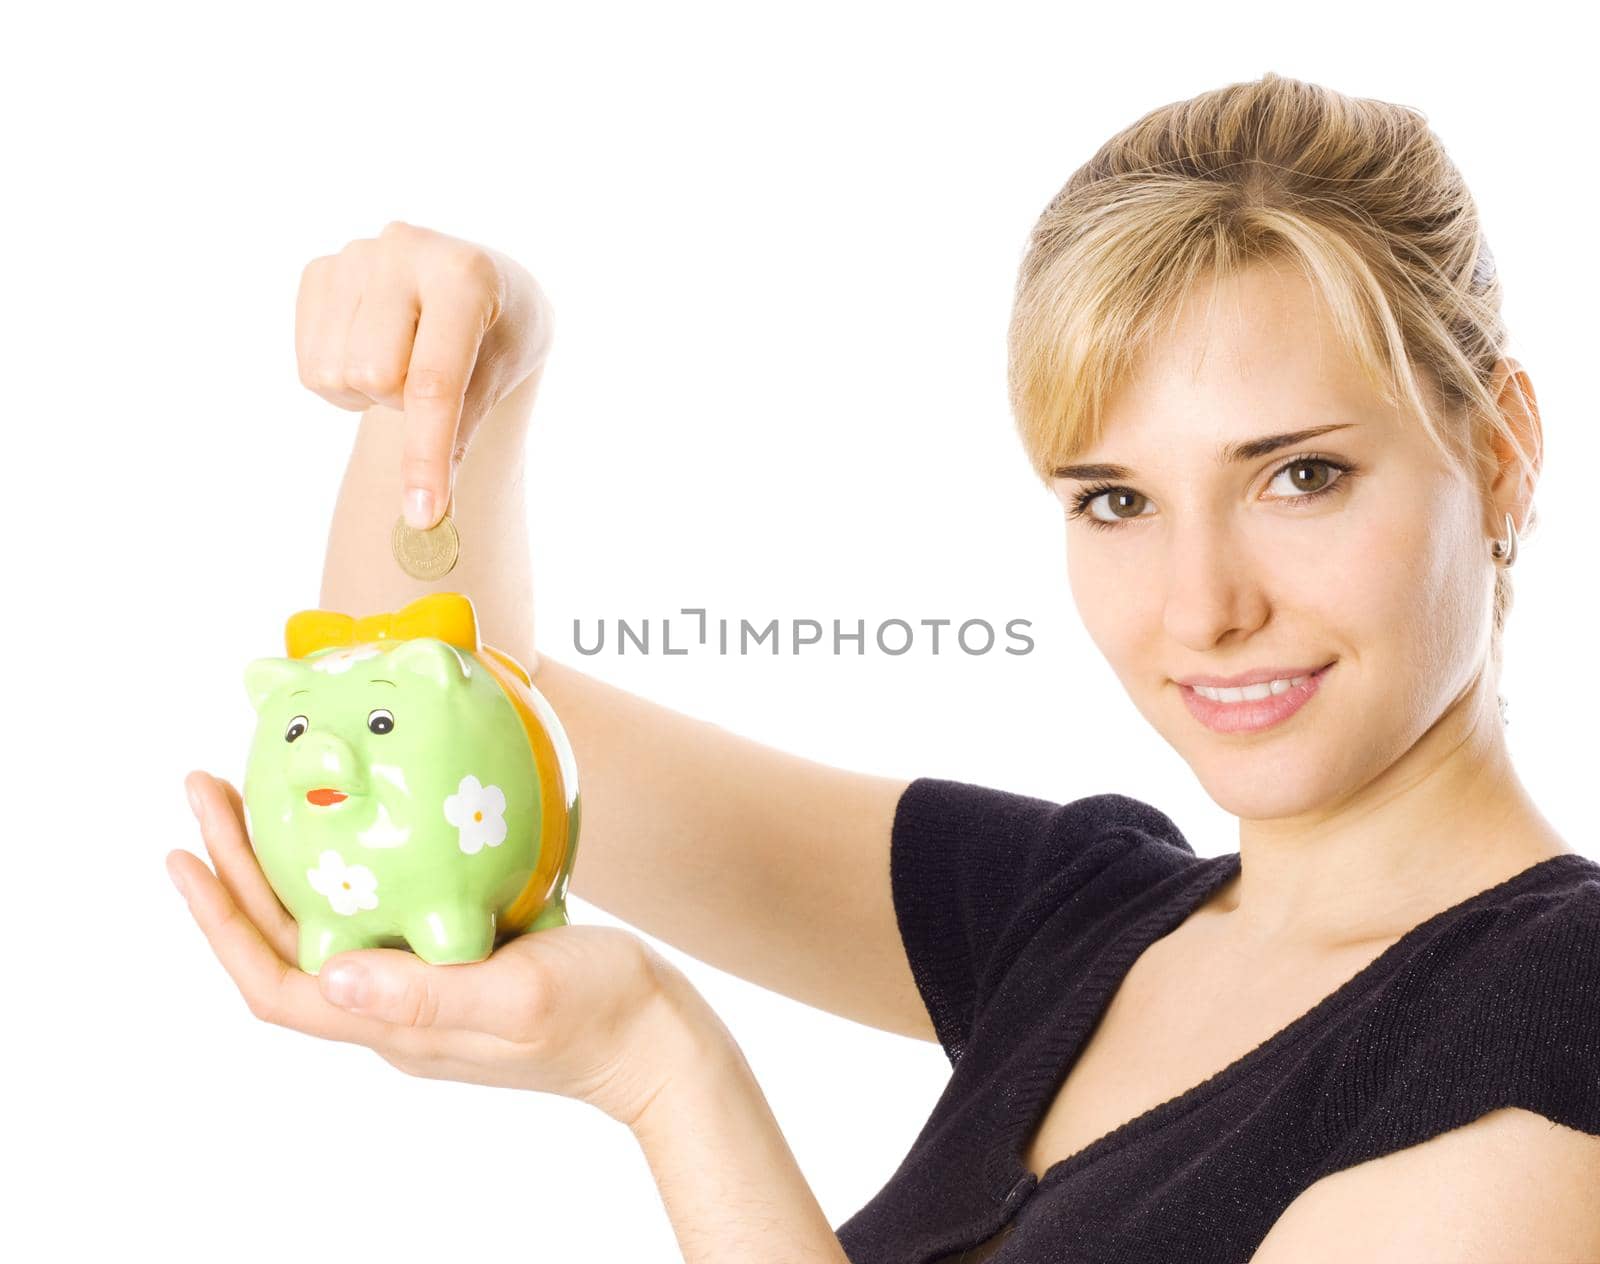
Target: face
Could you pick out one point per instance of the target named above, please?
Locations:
(371, 744)
(1361, 550)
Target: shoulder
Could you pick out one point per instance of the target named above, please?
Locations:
(1496, 1007)
(1467, 1108)
(940, 803)
(1511, 1184)
(975, 872)
(1518, 962)
(1024, 842)
(1535, 957)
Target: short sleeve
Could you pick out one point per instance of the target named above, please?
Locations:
(975, 871)
(1524, 1031)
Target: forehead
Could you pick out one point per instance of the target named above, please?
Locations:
(1249, 354)
(357, 681)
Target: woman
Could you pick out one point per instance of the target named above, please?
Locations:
(1256, 352)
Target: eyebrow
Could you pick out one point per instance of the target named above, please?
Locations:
(1228, 454)
(381, 681)
(298, 692)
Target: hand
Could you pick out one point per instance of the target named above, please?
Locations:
(432, 326)
(589, 1012)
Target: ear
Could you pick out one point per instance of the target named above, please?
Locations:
(1512, 483)
(432, 659)
(266, 676)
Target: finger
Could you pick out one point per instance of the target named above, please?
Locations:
(506, 995)
(221, 817)
(378, 346)
(450, 331)
(275, 991)
(330, 291)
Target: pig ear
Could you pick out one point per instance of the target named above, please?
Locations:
(436, 662)
(266, 676)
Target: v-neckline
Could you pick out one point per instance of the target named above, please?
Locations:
(1030, 1102)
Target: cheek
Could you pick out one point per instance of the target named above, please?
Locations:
(1085, 577)
(1455, 589)
(1115, 604)
(1084, 581)
(1396, 572)
(1366, 570)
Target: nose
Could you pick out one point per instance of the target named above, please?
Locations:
(325, 761)
(1212, 586)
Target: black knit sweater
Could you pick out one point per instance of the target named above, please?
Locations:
(1020, 918)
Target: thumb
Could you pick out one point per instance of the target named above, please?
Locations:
(399, 987)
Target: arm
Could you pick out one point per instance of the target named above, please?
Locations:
(727, 1177)
(764, 864)
(589, 1012)
(1511, 1185)
(359, 574)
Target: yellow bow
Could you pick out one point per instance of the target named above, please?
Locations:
(447, 616)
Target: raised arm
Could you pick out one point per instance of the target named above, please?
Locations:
(764, 864)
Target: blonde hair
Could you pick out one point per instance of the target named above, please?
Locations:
(1359, 194)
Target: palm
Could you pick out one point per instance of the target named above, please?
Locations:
(558, 1010)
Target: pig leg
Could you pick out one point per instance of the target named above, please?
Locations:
(554, 914)
(320, 940)
(450, 935)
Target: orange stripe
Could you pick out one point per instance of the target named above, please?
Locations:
(553, 836)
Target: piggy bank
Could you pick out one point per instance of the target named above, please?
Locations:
(408, 786)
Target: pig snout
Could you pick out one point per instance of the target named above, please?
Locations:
(324, 767)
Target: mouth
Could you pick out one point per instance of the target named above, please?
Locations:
(326, 797)
(1262, 709)
(1282, 676)
(1256, 677)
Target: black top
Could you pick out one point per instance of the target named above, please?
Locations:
(1020, 918)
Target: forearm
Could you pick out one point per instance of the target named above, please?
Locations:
(727, 1177)
(360, 575)
(755, 860)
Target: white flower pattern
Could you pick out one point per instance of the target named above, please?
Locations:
(348, 887)
(343, 658)
(479, 812)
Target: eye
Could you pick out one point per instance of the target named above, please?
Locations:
(381, 721)
(1117, 499)
(1121, 499)
(1304, 475)
(1303, 490)
(297, 726)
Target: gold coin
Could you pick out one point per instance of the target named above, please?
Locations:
(429, 554)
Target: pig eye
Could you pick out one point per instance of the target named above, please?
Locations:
(297, 726)
(380, 721)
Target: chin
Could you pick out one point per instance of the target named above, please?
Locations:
(1263, 802)
(1263, 783)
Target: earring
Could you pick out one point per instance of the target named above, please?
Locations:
(1506, 551)
(1500, 698)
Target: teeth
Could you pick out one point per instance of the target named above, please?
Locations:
(1250, 693)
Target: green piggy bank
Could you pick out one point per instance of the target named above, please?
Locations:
(408, 786)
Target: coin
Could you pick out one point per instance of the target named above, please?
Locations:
(429, 554)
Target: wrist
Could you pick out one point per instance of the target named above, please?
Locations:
(694, 1058)
(728, 1179)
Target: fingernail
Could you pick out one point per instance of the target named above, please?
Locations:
(194, 802)
(419, 508)
(347, 986)
(177, 881)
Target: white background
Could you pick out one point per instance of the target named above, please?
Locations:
(781, 243)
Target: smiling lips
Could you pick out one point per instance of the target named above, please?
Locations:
(326, 798)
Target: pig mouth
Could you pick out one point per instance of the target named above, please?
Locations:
(326, 797)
